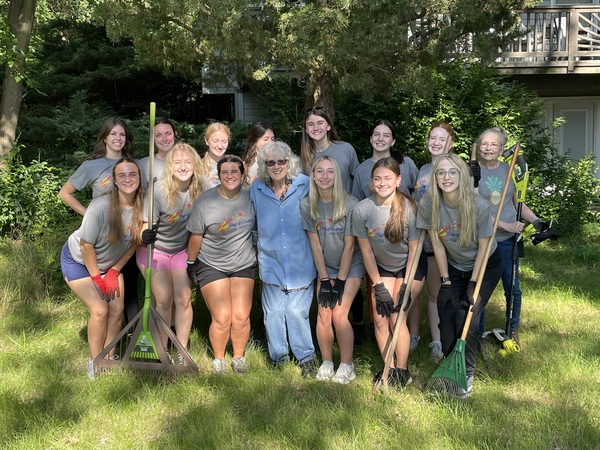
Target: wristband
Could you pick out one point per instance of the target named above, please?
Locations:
(445, 280)
(190, 263)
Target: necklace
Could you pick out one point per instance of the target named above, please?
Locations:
(283, 190)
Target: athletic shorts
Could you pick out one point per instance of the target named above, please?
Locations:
(70, 268)
(207, 274)
(161, 260)
(419, 274)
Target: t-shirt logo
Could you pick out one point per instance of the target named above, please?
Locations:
(239, 218)
(105, 182)
(494, 184)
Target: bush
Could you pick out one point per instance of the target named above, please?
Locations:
(29, 204)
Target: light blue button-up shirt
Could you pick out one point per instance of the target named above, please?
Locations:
(284, 255)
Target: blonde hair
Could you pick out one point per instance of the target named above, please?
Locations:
(196, 186)
(339, 195)
(467, 212)
(394, 227)
(213, 128)
(115, 211)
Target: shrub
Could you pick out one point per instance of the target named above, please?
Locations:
(29, 204)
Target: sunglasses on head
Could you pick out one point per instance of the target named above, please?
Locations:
(314, 108)
(279, 162)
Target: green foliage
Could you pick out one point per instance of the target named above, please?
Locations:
(566, 191)
(29, 204)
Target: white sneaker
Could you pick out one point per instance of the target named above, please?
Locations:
(239, 365)
(91, 370)
(345, 374)
(414, 342)
(462, 393)
(325, 371)
(436, 351)
(219, 366)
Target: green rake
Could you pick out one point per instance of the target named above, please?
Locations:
(450, 378)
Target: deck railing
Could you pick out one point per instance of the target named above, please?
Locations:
(554, 40)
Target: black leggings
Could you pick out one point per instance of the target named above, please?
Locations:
(131, 274)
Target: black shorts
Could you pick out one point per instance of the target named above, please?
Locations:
(207, 274)
(419, 274)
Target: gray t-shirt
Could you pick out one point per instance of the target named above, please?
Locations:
(96, 173)
(361, 186)
(368, 222)
(94, 229)
(490, 188)
(159, 167)
(420, 191)
(345, 156)
(226, 226)
(460, 257)
(331, 235)
(213, 174)
(172, 234)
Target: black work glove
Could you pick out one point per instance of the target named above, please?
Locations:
(324, 295)
(149, 234)
(541, 226)
(401, 297)
(471, 291)
(445, 296)
(475, 171)
(337, 292)
(383, 300)
(192, 270)
(544, 235)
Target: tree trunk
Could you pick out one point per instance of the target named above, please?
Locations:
(21, 15)
(322, 94)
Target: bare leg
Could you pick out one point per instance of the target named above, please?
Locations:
(242, 290)
(184, 314)
(217, 296)
(343, 328)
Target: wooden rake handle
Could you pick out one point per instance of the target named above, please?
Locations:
(391, 343)
(490, 243)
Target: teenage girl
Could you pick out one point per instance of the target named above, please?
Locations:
(217, 137)
(259, 134)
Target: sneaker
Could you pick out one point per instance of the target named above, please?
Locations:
(514, 335)
(436, 351)
(180, 359)
(219, 366)
(325, 371)
(345, 374)
(308, 368)
(239, 365)
(463, 394)
(91, 370)
(114, 357)
(169, 357)
(414, 342)
(399, 378)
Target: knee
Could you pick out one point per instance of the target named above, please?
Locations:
(339, 317)
(239, 323)
(100, 313)
(221, 323)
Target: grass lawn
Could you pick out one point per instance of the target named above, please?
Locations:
(546, 397)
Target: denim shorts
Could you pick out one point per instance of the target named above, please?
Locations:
(71, 269)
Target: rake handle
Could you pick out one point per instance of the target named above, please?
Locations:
(150, 200)
(488, 247)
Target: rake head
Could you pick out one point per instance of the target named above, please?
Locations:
(144, 348)
(450, 378)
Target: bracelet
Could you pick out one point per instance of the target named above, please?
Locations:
(189, 263)
(324, 279)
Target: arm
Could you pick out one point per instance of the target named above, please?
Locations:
(194, 245)
(126, 256)
(369, 260)
(66, 195)
(439, 252)
(528, 214)
(479, 262)
(89, 257)
(346, 257)
(318, 257)
(512, 227)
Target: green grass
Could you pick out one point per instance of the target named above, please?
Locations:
(546, 397)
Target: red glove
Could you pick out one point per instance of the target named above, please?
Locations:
(111, 280)
(100, 284)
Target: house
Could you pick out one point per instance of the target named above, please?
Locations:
(558, 57)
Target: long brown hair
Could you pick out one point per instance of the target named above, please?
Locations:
(256, 131)
(115, 219)
(307, 144)
(394, 227)
(99, 150)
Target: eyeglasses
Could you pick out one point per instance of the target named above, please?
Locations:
(452, 173)
(279, 162)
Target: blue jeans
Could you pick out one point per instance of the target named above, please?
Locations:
(286, 319)
(506, 250)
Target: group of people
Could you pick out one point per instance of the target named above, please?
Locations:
(315, 225)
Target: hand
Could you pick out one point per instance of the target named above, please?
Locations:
(324, 295)
(541, 225)
(445, 295)
(401, 298)
(192, 270)
(471, 292)
(476, 172)
(99, 282)
(383, 300)
(149, 234)
(514, 227)
(111, 280)
(337, 292)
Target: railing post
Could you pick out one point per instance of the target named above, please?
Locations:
(572, 36)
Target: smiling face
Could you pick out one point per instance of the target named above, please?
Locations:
(164, 138)
(447, 177)
(127, 177)
(183, 166)
(230, 176)
(490, 147)
(324, 174)
(217, 144)
(115, 141)
(278, 171)
(382, 139)
(385, 182)
(436, 144)
(265, 139)
(317, 127)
